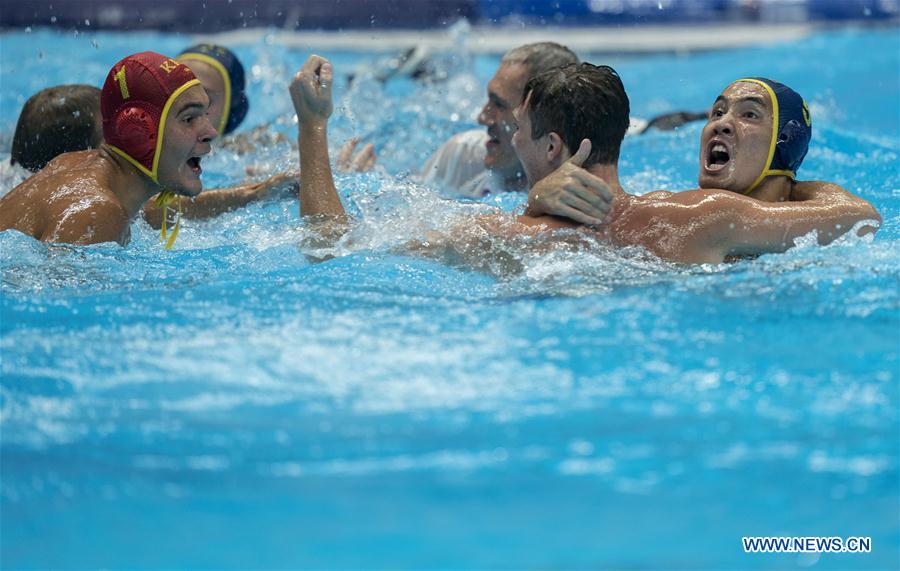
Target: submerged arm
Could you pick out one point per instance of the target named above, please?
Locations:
(495, 243)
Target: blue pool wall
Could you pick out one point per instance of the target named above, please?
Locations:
(221, 15)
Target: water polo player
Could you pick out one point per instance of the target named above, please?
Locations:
(222, 75)
(755, 140)
(586, 105)
(155, 129)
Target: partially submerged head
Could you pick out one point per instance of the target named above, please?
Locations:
(562, 107)
(505, 92)
(757, 128)
(57, 120)
(154, 116)
(222, 75)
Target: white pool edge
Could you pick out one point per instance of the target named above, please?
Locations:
(494, 40)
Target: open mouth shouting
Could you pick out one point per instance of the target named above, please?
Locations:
(194, 164)
(718, 156)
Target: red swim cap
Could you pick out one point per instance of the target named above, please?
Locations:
(134, 103)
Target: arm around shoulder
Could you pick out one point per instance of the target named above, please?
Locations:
(851, 207)
(734, 225)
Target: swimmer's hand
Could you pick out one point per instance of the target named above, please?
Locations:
(311, 91)
(362, 162)
(286, 183)
(572, 192)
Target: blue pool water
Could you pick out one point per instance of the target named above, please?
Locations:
(229, 404)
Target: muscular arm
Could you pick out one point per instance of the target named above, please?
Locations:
(828, 209)
(701, 226)
(311, 95)
(852, 208)
(318, 196)
(217, 201)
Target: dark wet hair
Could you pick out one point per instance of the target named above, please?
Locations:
(540, 57)
(581, 101)
(56, 120)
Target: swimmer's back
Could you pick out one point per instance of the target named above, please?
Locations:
(71, 186)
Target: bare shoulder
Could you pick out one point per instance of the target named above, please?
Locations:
(657, 195)
(82, 208)
(687, 226)
(699, 200)
(90, 219)
(68, 201)
(545, 222)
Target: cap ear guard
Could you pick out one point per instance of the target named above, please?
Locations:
(790, 138)
(134, 104)
(137, 129)
(791, 146)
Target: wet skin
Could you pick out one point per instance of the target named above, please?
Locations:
(214, 84)
(734, 144)
(187, 137)
(703, 225)
(90, 196)
(538, 157)
(696, 226)
(504, 94)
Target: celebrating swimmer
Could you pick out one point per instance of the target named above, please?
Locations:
(749, 201)
(700, 226)
(482, 161)
(222, 75)
(155, 130)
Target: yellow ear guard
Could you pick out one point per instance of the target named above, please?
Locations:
(791, 130)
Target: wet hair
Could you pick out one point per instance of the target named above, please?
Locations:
(54, 121)
(540, 57)
(581, 101)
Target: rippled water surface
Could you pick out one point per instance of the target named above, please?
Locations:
(231, 404)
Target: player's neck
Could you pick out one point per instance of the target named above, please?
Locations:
(132, 187)
(773, 189)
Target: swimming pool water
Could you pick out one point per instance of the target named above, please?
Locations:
(230, 404)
